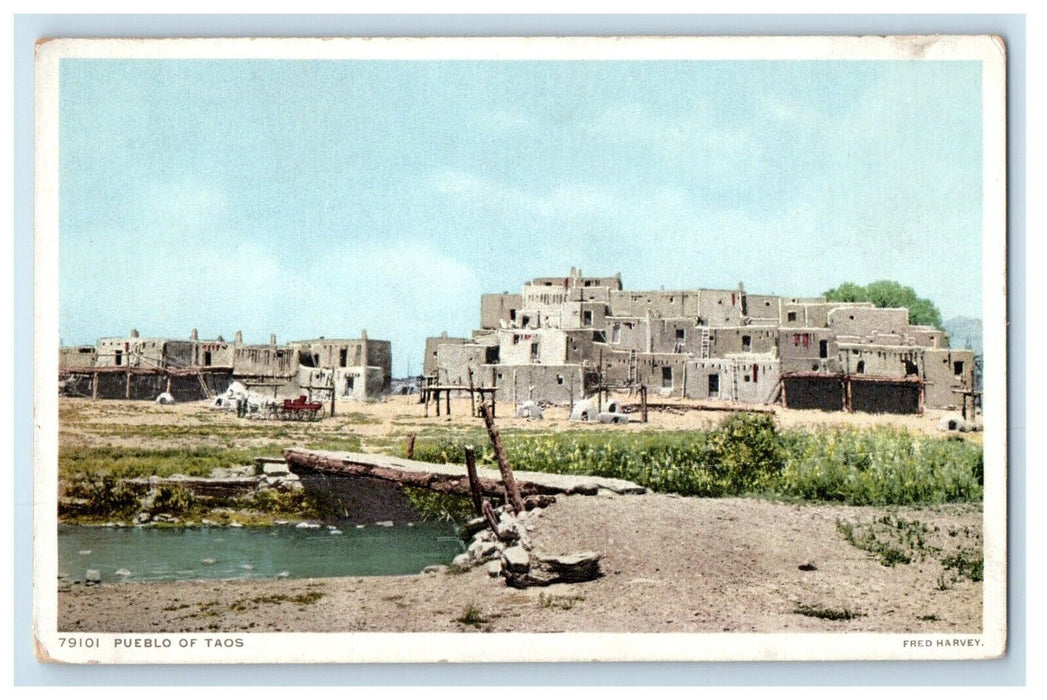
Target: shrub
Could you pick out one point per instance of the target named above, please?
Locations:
(172, 499)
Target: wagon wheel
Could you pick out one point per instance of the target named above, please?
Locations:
(320, 413)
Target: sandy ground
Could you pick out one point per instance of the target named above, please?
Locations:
(669, 563)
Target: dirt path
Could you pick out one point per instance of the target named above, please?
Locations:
(669, 564)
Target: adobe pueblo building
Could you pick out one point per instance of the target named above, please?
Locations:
(141, 368)
(565, 338)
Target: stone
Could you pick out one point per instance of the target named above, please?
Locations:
(516, 560)
(434, 569)
(508, 533)
(308, 526)
(385, 523)
(92, 577)
(462, 561)
(122, 572)
(207, 562)
(283, 574)
(275, 469)
(235, 524)
(142, 517)
(494, 569)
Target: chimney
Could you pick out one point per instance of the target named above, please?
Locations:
(134, 332)
(239, 338)
(363, 334)
(194, 335)
(272, 339)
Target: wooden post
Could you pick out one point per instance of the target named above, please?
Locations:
(425, 397)
(643, 402)
(503, 462)
(474, 480)
(334, 389)
(410, 447)
(168, 384)
(448, 399)
(127, 387)
(437, 396)
(94, 385)
(472, 396)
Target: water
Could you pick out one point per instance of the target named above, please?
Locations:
(177, 554)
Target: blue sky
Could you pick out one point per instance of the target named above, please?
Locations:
(314, 198)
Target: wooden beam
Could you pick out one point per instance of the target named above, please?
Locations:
(503, 461)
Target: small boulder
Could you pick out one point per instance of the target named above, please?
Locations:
(494, 569)
(92, 577)
(516, 560)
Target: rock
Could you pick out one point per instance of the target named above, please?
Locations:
(587, 488)
(549, 569)
(283, 574)
(207, 562)
(529, 409)
(462, 561)
(516, 560)
(122, 572)
(142, 517)
(208, 523)
(508, 533)
(84, 552)
(235, 524)
(92, 577)
(808, 567)
(473, 526)
(275, 469)
(247, 567)
(494, 569)
(308, 526)
(335, 531)
(385, 523)
(435, 569)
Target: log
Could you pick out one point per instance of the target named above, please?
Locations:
(511, 490)
(331, 463)
(474, 480)
(410, 447)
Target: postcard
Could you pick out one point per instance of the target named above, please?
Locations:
(520, 349)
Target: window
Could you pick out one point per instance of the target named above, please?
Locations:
(957, 368)
(756, 373)
(207, 358)
(714, 386)
(534, 351)
(823, 349)
(343, 357)
(587, 318)
(667, 377)
(512, 314)
(860, 369)
(791, 316)
(559, 379)
(119, 357)
(616, 333)
(680, 333)
(747, 343)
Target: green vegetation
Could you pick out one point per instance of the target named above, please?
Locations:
(132, 462)
(888, 294)
(431, 505)
(826, 613)
(472, 615)
(747, 455)
(895, 540)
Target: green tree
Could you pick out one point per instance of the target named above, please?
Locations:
(890, 294)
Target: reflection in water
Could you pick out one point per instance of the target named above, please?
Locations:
(173, 554)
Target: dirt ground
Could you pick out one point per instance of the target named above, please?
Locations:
(669, 563)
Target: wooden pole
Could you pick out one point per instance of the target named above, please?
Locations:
(472, 397)
(410, 447)
(448, 398)
(436, 395)
(503, 462)
(643, 402)
(334, 388)
(127, 387)
(94, 385)
(474, 480)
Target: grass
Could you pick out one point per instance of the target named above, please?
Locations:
(826, 613)
(472, 616)
(746, 455)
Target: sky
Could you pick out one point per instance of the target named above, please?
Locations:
(321, 198)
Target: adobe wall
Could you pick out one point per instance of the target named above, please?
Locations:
(431, 345)
(728, 340)
(892, 361)
(808, 350)
(865, 321)
(499, 309)
(558, 384)
(941, 377)
(750, 379)
(264, 361)
(78, 356)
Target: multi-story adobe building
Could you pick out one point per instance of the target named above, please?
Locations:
(563, 338)
(134, 367)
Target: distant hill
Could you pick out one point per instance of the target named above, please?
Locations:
(964, 332)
